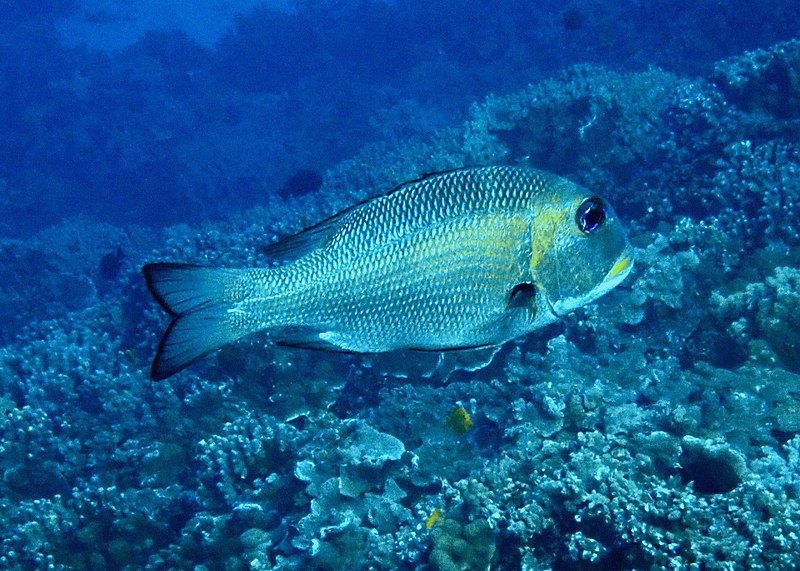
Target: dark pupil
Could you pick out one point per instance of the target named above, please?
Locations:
(591, 215)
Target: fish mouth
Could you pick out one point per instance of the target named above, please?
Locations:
(618, 272)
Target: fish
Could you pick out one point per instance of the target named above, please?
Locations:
(459, 420)
(462, 259)
(436, 516)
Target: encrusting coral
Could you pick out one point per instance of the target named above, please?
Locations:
(656, 429)
(462, 548)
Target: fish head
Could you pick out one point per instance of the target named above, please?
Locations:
(580, 250)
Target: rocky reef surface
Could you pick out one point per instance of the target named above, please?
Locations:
(656, 429)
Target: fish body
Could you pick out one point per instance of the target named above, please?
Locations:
(461, 259)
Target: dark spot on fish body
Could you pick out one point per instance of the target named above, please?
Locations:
(522, 295)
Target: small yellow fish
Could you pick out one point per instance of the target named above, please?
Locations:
(435, 517)
(459, 420)
(462, 259)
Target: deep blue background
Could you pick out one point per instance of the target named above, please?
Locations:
(165, 125)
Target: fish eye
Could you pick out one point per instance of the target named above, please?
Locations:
(591, 214)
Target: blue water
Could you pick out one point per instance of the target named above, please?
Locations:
(655, 429)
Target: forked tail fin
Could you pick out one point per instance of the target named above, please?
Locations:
(198, 299)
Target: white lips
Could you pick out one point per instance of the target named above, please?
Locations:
(618, 272)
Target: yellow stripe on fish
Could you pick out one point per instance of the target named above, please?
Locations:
(467, 258)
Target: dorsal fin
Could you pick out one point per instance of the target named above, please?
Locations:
(317, 236)
(298, 245)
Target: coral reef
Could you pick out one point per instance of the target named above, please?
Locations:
(761, 316)
(765, 80)
(656, 429)
(462, 548)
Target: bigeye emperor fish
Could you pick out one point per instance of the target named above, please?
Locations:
(455, 260)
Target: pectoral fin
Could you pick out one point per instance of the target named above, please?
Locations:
(310, 338)
(522, 295)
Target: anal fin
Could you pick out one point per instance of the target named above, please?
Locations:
(310, 338)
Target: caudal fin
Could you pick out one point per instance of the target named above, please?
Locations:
(198, 299)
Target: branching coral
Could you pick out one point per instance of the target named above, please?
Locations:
(587, 119)
(764, 79)
(765, 311)
(654, 429)
(247, 460)
(758, 190)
